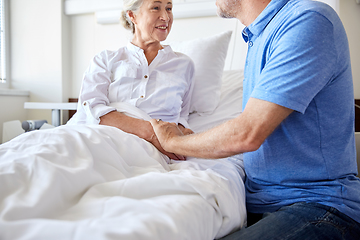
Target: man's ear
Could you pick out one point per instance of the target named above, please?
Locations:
(132, 16)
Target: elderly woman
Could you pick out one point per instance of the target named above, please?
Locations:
(144, 74)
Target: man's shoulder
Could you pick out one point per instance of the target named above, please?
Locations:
(298, 8)
(304, 17)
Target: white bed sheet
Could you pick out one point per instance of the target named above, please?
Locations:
(97, 182)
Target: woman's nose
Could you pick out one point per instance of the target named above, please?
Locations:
(165, 16)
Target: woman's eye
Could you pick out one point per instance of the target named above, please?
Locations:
(156, 8)
(169, 9)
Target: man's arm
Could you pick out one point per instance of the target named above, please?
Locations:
(245, 133)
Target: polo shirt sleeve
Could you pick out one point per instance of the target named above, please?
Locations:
(299, 62)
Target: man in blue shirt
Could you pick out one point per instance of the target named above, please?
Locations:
(297, 125)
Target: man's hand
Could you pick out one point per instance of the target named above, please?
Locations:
(166, 131)
(184, 130)
(155, 141)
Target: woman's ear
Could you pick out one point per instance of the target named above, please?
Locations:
(131, 16)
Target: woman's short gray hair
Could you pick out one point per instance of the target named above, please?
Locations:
(129, 5)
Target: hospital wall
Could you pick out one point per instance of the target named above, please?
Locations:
(50, 51)
(350, 16)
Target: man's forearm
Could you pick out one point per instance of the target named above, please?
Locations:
(243, 134)
(195, 145)
(222, 141)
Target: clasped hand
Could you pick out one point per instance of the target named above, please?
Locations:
(166, 131)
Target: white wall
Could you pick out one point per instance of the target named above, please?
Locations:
(350, 16)
(37, 52)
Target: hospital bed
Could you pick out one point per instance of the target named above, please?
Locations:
(97, 182)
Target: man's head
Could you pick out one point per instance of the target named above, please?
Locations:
(228, 8)
(244, 10)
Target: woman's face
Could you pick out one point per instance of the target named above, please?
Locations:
(153, 21)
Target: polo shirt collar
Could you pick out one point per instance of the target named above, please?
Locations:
(259, 24)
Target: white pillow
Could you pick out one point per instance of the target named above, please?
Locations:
(230, 104)
(209, 56)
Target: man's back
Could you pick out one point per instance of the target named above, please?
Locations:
(299, 58)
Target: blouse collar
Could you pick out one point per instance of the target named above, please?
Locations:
(133, 48)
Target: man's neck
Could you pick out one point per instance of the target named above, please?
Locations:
(250, 10)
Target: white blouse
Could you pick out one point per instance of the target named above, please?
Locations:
(162, 89)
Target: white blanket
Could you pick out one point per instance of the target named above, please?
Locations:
(97, 182)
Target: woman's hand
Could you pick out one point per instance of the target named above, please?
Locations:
(138, 127)
(184, 130)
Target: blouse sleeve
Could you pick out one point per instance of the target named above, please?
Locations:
(185, 107)
(93, 99)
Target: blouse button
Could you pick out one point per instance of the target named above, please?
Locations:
(141, 96)
(145, 76)
(84, 103)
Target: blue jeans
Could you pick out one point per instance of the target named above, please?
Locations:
(301, 221)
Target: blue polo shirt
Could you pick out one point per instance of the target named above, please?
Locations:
(298, 57)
